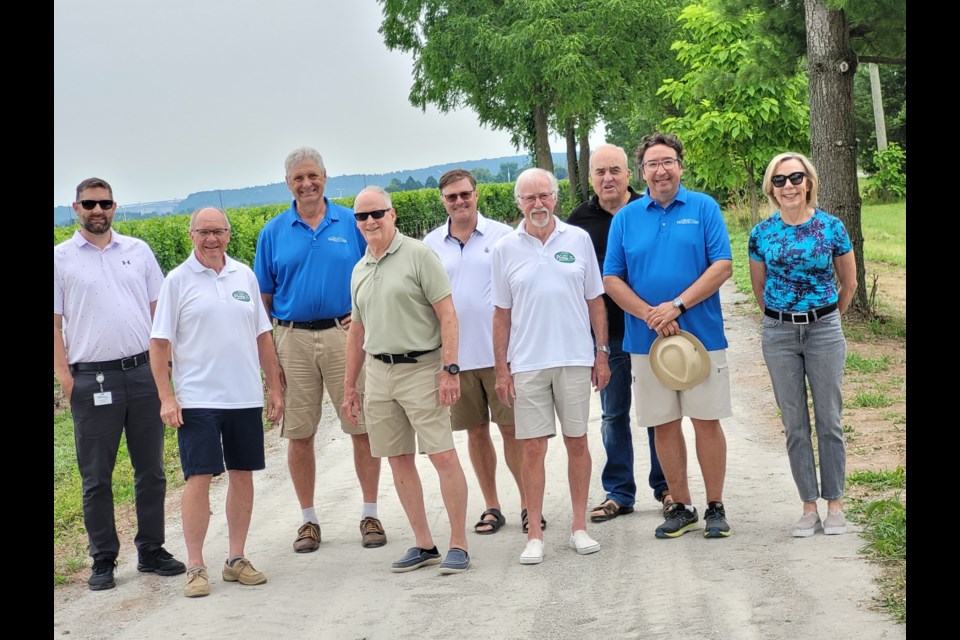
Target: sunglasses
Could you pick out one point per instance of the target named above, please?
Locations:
(795, 178)
(452, 197)
(90, 204)
(376, 215)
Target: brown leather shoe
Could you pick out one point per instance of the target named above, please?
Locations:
(372, 533)
(308, 538)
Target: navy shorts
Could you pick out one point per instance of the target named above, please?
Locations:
(212, 440)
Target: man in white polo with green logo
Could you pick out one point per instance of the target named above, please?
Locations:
(548, 294)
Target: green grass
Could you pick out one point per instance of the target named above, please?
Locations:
(885, 232)
(856, 362)
(879, 480)
(865, 399)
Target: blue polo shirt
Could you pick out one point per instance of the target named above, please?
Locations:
(307, 271)
(660, 252)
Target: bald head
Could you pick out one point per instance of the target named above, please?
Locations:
(205, 215)
(610, 177)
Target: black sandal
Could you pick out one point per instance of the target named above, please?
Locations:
(526, 521)
(494, 524)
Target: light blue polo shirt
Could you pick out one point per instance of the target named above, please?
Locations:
(307, 271)
(660, 252)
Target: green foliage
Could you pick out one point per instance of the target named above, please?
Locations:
(856, 362)
(731, 121)
(893, 83)
(885, 233)
(868, 399)
(890, 180)
(880, 480)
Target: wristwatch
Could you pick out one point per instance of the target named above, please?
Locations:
(604, 347)
(452, 369)
(678, 303)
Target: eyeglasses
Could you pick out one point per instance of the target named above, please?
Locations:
(463, 195)
(667, 164)
(216, 233)
(90, 204)
(543, 197)
(795, 178)
(376, 215)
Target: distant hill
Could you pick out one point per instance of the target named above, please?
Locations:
(337, 187)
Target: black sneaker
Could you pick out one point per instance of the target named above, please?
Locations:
(715, 521)
(678, 521)
(102, 576)
(160, 562)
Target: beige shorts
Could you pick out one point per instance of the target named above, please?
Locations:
(402, 405)
(312, 360)
(657, 404)
(478, 401)
(564, 390)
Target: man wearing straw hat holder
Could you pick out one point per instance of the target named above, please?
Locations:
(667, 255)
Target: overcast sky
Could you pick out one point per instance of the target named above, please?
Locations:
(162, 98)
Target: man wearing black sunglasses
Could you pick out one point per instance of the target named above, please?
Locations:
(105, 289)
(303, 263)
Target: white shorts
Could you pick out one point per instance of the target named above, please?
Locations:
(565, 390)
(657, 404)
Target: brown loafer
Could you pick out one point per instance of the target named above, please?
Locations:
(308, 538)
(372, 533)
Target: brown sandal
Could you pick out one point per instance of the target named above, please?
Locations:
(608, 510)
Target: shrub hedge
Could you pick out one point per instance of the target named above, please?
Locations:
(417, 213)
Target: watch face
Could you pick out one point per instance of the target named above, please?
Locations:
(452, 369)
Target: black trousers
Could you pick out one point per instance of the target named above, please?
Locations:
(135, 410)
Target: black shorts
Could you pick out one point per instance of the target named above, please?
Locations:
(212, 440)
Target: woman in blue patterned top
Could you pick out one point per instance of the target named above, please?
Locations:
(804, 274)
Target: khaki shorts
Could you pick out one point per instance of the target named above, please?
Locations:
(565, 390)
(478, 401)
(402, 405)
(312, 360)
(657, 404)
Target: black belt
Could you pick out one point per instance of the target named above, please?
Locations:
(123, 364)
(804, 317)
(313, 325)
(402, 358)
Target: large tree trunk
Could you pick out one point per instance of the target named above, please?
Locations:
(831, 63)
(585, 160)
(544, 159)
(573, 170)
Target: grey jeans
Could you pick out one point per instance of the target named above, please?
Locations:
(815, 353)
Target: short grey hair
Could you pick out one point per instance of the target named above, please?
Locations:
(535, 171)
(377, 189)
(299, 155)
(193, 216)
(626, 161)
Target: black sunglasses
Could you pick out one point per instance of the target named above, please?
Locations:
(90, 204)
(795, 178)
(362, 217)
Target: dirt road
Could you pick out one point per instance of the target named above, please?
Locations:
(758, 584)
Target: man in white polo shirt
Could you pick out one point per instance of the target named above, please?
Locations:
(105, 287)
(548, 294)
(464, 243)
(211, 313)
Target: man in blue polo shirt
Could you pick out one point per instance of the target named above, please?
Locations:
(303, 263)
(667, 255)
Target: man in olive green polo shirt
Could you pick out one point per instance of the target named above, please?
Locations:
(405, 326)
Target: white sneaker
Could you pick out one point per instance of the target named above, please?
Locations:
(583, 543)
(533, 552)
(808, 525)
(834, 524)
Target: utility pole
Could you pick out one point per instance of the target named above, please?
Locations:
(878, 118)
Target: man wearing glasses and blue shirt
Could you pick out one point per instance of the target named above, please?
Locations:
(105, 289)
(303, 263)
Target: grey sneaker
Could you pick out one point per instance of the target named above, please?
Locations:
(808, 525)
(834, 524)
(678, 521)
(715, 521)
(414, 558)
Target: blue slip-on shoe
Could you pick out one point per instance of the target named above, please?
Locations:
(457, 561)
(414, 558)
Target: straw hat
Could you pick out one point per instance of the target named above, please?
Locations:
(680, 361)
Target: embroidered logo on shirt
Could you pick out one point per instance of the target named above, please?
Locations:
(564, 256)
(242, 296)
(337, 239)
(125, 261)
(688, 221)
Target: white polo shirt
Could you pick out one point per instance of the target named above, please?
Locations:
(104, 296)
(546, 286)
(468, 266)
(212, 321)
